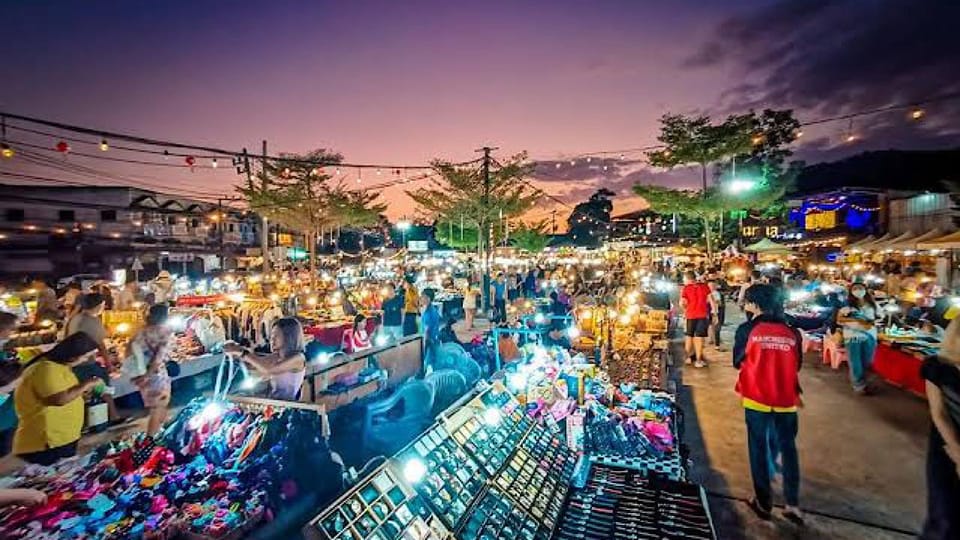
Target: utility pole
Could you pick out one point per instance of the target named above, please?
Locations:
(264, 223)
(221, 225)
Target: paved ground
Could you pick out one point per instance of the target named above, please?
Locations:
(861, 458)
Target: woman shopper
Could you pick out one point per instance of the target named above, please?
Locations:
(858, 320)
(469, 305)
(49, 402)
(286, 366)
(942, 374)
(146, 364)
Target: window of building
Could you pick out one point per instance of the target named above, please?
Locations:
(194, 223)
(15, 214)
(68, 216)
(171, 220)
(108, 215)
(230, 227)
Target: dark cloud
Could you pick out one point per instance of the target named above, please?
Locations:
(828, 57)
(581, 169)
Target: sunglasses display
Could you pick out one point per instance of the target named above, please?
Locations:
(489, 470)
(623, 504)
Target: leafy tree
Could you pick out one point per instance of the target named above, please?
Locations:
(531, 237)
(756, 142)
(295, 192)
(460, 193)
(450, 234)
(590, 220)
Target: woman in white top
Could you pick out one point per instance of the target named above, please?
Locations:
(469, 305)
(858, 320)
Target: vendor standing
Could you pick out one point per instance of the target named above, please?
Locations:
(49, 402)
(858, 320)
(286, 365)
(411, 306)
(392, 313)
(88, 322)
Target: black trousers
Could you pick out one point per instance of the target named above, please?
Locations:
(500, 310)
(785, 426)
(410, 324)
(943, 493)
(50, 455)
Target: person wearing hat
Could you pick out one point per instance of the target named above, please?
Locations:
(49, 402)
(163, 287)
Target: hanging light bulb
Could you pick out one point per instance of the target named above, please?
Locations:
(558, 165)
(798, 133)
(166, 154)
(315, 171)
(757, 139)
(572, 163)
(213, 163)
(917, 114)
(63, 147)
(379, 172)
(604, 167)
(6, 151)
(589, 159)
(103, 145)
(850, 138)
(337, 171)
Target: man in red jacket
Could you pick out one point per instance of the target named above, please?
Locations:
(694, 298)
(769, 354)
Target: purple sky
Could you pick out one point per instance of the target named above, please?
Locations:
(406, 82)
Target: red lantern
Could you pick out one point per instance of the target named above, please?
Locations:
(63, 147)
(190, 161)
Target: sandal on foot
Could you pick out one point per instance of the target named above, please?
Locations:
(760, 511)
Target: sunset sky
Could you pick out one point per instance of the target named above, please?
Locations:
(406, 82)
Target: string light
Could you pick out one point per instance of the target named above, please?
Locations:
(103, 145)
(213, 163)
(797, 134)
(917, 114)
(6, 150)
(757, 139)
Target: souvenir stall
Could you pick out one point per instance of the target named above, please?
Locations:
(495, 465)
(220, 469)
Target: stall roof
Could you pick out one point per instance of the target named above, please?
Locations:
(912, 243)
(870, 246)
(905, 237)
(767, 246)
(948, 241)
(862, 242)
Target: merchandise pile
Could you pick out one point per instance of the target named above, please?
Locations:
(216, 471)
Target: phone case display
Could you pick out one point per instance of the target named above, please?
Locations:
(493, 431)
(621, 503)
(644, 367)
(381, 508)
(538, 475)
(497, 516)
(451, 479)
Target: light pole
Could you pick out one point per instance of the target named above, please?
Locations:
(403, 226)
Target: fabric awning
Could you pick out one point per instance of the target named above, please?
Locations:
(871, 246)
(767, 246)
(883, 246)
(862, 242)
(911, 244)
(949, 241)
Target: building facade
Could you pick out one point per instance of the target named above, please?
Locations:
(64, 230)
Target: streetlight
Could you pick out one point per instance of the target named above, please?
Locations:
(403, 226)
(739, 185)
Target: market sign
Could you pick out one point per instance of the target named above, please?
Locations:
(296, 254)
(417, 246)
(755, 231)
(815, 221)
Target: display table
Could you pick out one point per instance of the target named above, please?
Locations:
(899, 368)
(400, 360)
(188, 368)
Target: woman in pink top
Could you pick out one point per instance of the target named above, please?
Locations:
(286, 365)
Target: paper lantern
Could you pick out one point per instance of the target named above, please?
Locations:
(63, 147)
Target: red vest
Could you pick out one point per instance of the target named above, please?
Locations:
(768, 375)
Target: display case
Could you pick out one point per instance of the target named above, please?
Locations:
(488, 470)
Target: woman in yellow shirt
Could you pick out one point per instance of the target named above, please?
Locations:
(49, 402)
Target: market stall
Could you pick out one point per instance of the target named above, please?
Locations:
(488, 468)
(220, 469)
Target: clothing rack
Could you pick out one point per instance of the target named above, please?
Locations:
(259, 405)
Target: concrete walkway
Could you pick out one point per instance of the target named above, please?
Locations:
(861, 458)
